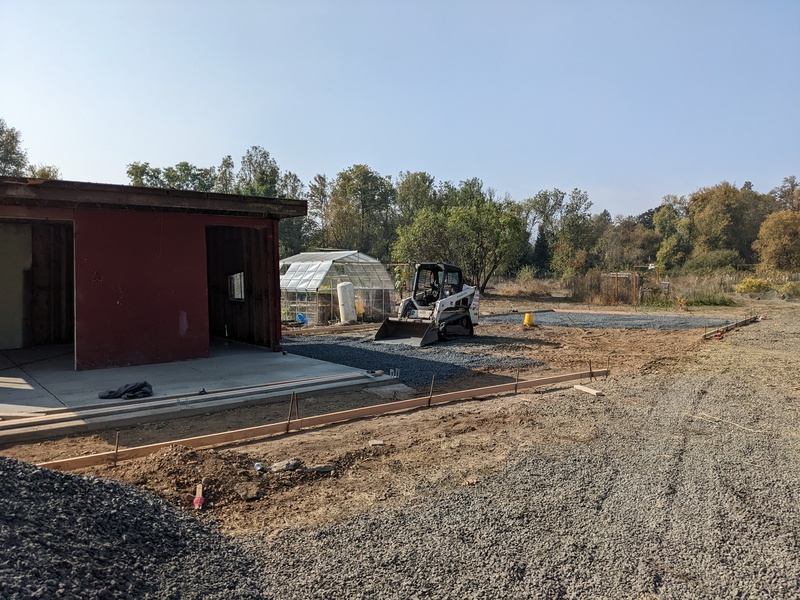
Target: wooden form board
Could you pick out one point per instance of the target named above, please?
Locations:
(727, 328)
(260, 431)
(59, 415)
(588, 390)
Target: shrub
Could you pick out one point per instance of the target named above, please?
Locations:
(792, 288)
(753, 285)
(526, 274)
(715, 260)
(709, 300)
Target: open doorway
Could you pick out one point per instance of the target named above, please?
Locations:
(38, 275)
(239, 299)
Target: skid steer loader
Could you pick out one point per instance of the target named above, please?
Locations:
(441, 305)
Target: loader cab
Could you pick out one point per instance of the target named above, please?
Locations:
(434, 281)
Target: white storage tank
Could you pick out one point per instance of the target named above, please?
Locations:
(347, 302)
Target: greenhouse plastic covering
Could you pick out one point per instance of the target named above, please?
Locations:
(307, 272)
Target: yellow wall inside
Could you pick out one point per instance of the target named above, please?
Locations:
(15, 259)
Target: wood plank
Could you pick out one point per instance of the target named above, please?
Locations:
(729, 327)
(588, 390)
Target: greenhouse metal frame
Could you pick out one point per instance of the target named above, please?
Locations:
(309, 283)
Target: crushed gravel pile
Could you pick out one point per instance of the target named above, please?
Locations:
(67, 536)
(611, 320)
(415, 365)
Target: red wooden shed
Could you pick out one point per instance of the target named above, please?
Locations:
(133, 275)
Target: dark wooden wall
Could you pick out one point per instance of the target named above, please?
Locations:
(50, 314)
(233, 250)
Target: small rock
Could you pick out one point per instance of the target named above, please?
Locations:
(321, 468)
(247, 491)
(286, 465)
(376, 443)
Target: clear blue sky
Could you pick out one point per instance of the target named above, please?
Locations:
(628, 100)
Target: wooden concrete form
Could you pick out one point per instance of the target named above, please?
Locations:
(729, 327)
(68, 421)
(261, 431)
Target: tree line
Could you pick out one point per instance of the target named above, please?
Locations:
(415, 218)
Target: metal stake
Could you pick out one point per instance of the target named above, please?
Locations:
(430, 394)
(116, 448)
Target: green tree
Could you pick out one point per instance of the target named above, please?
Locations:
(259, 174)
(41, 171)
(575, 236)
(472, 229)
(415, 191)
(143, 175)
(787, 195)
(13, 157)
(646, 218)
(318, 210)
(542, 253)
(540, 215)
(725, 217)
(672, 223)
(293, 232)
(186, 176)
(778, 243)
(225, 182)
(425, 239)
(488, 236)
(362, 214)
(628, 243)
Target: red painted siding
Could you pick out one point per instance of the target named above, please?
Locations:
(140, 281)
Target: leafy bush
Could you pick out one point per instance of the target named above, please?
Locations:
(526, 274)
(715, 260)
(753, 285)
(792, 288)
(656, 301)
(709, 300)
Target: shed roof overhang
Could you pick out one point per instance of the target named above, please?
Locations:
(46, 193)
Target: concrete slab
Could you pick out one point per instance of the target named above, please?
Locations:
(37, 379)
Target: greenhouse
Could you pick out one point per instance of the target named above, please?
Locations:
(309, 283)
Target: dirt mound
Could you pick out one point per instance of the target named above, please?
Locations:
(230, 478)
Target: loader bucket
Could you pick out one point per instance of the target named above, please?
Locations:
(414, 332)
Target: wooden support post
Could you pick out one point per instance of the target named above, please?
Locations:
(199, 500)
(292, 404)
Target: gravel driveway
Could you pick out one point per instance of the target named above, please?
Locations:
(686, 484)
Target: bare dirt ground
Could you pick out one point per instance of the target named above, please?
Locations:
(393, 460)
